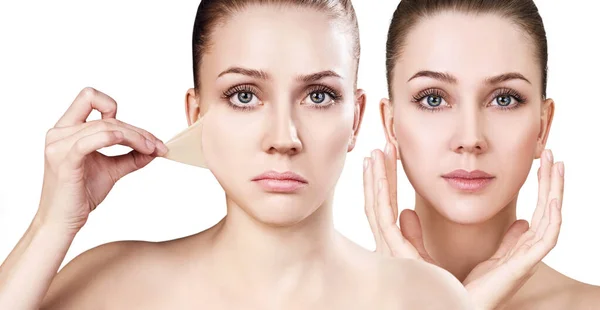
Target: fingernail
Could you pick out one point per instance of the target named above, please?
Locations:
(549, 155)
(365, 163)
(149, 144)
(561, 169)
(162, 148)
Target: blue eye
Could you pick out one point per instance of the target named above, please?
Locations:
(318, 97)
(434, 101)
(245, 97)
(504, 100)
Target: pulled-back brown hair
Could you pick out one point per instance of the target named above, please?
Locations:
(212, 12)
(523, 13)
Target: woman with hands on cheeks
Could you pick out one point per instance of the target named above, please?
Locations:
(276, 136)
(467, 115)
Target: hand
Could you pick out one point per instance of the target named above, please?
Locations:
(493, 282)
(77, 177)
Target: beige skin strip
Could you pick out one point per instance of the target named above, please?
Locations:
(186, 146)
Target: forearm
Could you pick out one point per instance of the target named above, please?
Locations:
(27, 273)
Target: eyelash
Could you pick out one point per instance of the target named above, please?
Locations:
(498, 93)
(319, 88)
(243, 88)
(228, 94)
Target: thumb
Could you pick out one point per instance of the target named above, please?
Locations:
(511, 237)
(130, 162)
(410, 226)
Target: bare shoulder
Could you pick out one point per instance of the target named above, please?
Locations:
(550, 289)
(124, 275)
(413, 284)
(97, 274)
(584, 296)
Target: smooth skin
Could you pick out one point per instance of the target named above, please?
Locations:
(485, 113)
(271, 251)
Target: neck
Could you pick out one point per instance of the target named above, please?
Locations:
(277, 258)
(457, 247)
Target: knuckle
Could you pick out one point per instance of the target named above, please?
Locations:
(50, 135)
(51, 150)
(103, 125)
(88, 92)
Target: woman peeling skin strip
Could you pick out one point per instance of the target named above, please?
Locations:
(276, 140)
(466, 123)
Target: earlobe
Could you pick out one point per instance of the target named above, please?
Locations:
(387, 119)
(546, 117)
(192, 106)
(359, 111)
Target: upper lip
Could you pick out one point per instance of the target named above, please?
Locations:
(274, 175)
(463, 174)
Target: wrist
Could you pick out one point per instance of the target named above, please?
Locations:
(53, 229)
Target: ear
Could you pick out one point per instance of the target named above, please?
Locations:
(387, 119)
(192, 106)
(546, 117)
(359, 110)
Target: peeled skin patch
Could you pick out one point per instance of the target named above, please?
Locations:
(186, 146)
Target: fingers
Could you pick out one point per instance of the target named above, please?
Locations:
(392, 175)
(88, 99)
(555, 196)
(132, 138)
(130, 162)
(392, 235)
(511, 237)
(369, 194)
(378, 173)
(55, 134)
(410, 227)
(89, 144)
(546, 162)
(538, 249)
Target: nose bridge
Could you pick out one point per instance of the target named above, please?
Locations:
(470, 133)
(282, 128)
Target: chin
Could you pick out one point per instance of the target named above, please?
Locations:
(468, 210)
(280, 210)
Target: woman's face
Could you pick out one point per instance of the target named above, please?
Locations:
(278, 85)
(467, 96)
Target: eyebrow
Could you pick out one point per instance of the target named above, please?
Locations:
(449, 78)
(506, 77)
(445, 77)
(259, 74)
(318, 76)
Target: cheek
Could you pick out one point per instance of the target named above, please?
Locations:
(514, 146)
(229, 142)
(325, 137)
(421, 141)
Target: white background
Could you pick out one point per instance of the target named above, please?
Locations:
(139, 52)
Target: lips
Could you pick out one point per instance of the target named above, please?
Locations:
(277, 182)
(466, 181)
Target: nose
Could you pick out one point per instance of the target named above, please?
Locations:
(470, 135)
(282, 132)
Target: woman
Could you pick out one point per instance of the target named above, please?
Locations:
(467, 115)
(275, 138)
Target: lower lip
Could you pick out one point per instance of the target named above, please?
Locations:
(469, 185)
(280, 186)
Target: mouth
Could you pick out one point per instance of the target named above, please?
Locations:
(277, 182)
(471, 182)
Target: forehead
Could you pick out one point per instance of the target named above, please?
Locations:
(469, 46)
(282, 40)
